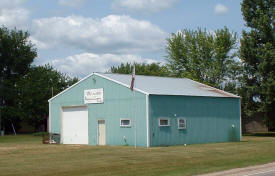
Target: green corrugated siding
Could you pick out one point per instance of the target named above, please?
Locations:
(119, 102)
(209, 119)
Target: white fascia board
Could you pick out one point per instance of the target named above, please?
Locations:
(71, 87)
(102, 77)
(105, 77)
(191, 95)
(148, 120)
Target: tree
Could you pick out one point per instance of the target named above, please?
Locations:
(16, 55)
(257, 53)
(154, 69)
(204, 56)
(36, 88)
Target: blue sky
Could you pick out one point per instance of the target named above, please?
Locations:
(78, 37)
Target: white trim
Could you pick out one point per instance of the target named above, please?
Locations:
(130, 123)
(71, 87)
(50, 119)
(182, 128)
(61, 125)
(75, 106)
(128, 86)
(228, 94)
(146, 93)
(147, 119)
(240, 119)
(191, 95)
(168, 119)
(135, 115)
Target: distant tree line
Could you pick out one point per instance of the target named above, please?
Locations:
(25, 88)
(216, 59)
(153, 69)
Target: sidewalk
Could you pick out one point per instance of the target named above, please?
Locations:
(260, 170)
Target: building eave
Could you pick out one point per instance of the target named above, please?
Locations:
(97, 74)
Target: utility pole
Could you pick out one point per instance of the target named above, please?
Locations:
(51, 81)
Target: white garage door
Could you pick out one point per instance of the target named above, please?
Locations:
(75, 125)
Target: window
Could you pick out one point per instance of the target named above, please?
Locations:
(181, 123)
(164, 122)
(125, 122)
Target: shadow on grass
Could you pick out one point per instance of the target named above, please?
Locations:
(268, 134)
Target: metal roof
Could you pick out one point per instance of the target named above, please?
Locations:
(167, 86)
(161, 85)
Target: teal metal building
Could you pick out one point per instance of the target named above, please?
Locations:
(101, 109)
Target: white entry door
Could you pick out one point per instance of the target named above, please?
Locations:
(101, 132)
(75, 125)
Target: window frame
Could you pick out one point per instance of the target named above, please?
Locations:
(162, 118)
(128, 126)
(185, 126)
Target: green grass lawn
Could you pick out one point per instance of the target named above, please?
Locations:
(26, 155)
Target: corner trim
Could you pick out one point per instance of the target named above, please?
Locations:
(148, 120)
(50, 119)
(240, 119)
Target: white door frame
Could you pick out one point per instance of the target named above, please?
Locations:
(98, 130)
(62, 118)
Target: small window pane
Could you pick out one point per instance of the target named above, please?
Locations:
(181, 123)
(125, 122)
(164, 122)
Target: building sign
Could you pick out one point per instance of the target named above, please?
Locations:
(93, 96)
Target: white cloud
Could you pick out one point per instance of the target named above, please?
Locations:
(13, 17)
(38, 44)
(12, 14)
(71, 3)
(7, 4)
(83, 64)
(111, 34)
(144, 6)
(220, 9)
